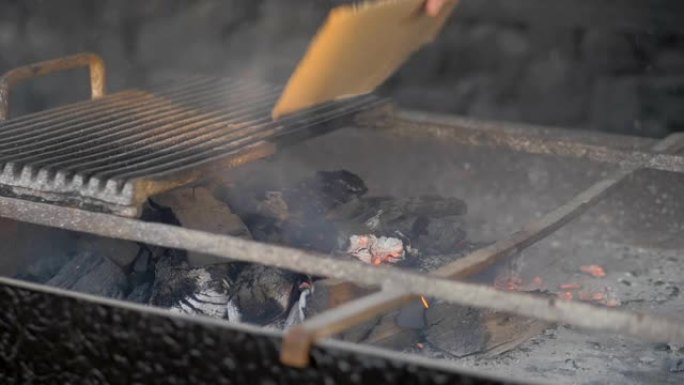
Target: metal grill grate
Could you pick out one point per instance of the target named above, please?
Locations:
(115, 151)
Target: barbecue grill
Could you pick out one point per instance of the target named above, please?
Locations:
(88, 167)
(112, 153)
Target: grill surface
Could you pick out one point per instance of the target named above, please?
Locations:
(114, 152)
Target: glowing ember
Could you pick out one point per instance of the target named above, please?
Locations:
(584, 296)
(508, 282)
(598, 296)
(425, 302)
(593, 270)
(537, 281)
(376, 250)
(565, 295)
(613, 302)
(569, 286)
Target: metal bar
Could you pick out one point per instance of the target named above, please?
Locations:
(408, 283)
(209, 135)
(94, 62)
(138, 129)
(299, 339)
(246, 138)
(480, 134)
(119, 112)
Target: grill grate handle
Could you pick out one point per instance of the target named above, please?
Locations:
(10, 78)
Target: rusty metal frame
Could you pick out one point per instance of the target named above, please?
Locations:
(98, 76)
(298, 341)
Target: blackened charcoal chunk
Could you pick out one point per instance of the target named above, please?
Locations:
(316, 234)
(437, 235)
(91, 274)
(456, 330)
(184, 289)
(262, 294)
(325, 190)
(140, 293)
(118, 251)
(338, 186)
(44, 268)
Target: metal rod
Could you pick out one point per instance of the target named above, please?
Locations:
(298, 340)
(391, 279)
(94, 62)
(482, 134)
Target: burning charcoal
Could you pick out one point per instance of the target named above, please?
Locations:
(373, 250)
(120, 252)
(593, 270)
(262, 294)
(454, 329)
(91, 274)
(182, 288)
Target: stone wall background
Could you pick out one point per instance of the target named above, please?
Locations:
(612, 65)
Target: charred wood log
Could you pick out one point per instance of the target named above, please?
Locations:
(192, 290)
(91, 274)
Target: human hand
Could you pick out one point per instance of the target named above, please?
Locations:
(432, 7)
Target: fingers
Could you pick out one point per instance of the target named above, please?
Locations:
(432, 7)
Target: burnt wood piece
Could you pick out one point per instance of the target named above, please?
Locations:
(197, 208)
(44, 268)
(62, 338)
(321, 213)
(192, 290)
(91, 274)
(456, 330)
(295, 214)
(123, 253)
(262, 295)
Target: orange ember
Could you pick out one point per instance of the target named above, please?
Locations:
(598, 296)
(593, 270)
(425, 302)
(565, 295)
(613, 302)
(569, 286)
(537, 281)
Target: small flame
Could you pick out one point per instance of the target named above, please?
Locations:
(425, 302)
